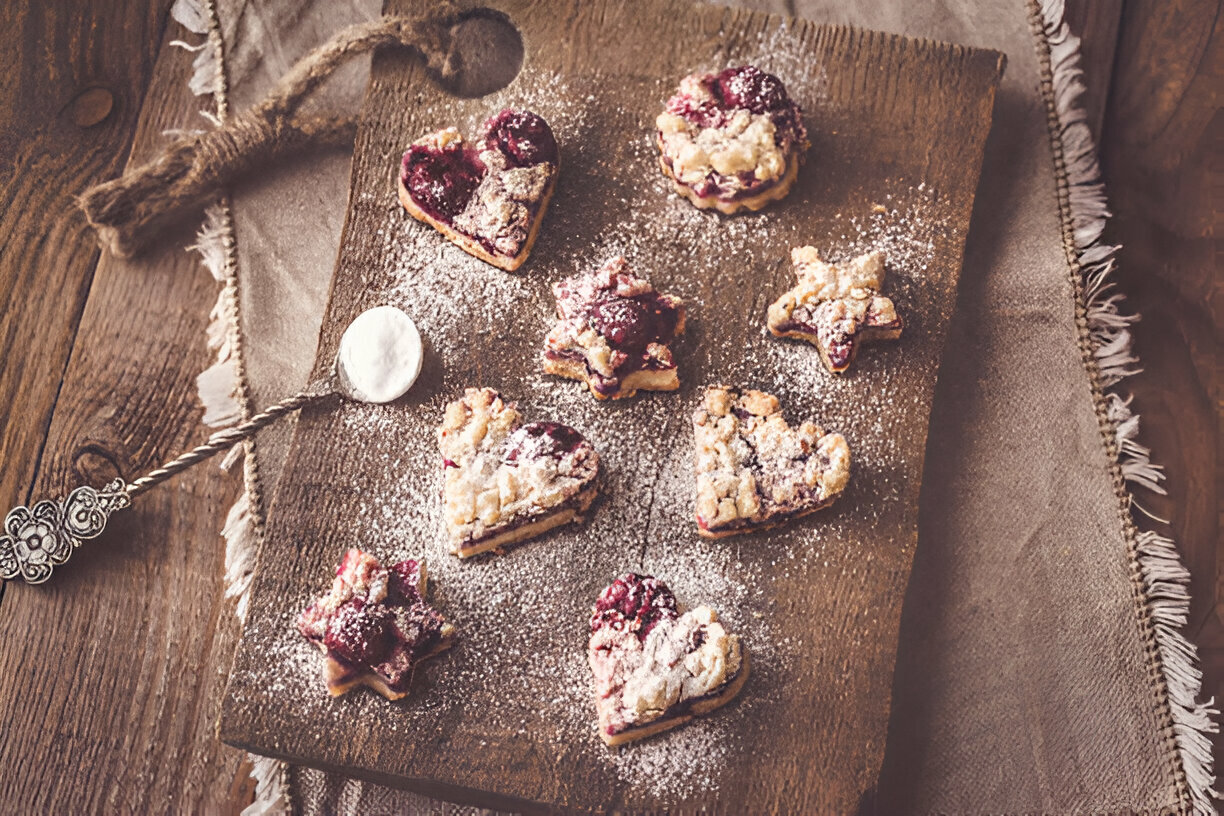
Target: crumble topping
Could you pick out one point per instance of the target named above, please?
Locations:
(745, 144)
(500, 209)
(730, 134)
(498, 474)
(645, 672)
(753, 468)
(835, 305)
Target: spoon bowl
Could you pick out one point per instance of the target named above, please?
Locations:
(380, 356)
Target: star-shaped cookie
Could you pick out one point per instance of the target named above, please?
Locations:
(375, 626)
(613, 331)
(654, 667)
(754, 471)
(835, 307)
(505, 482)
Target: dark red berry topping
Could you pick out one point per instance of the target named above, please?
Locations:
(360, 634)
(374, 618)
(537, 440)
(522, 136)
(635, 603)
(623, 322)
(749, 87)
(441, 181)
(631, 324)
(402, 582)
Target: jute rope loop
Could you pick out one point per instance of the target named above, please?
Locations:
(126, 210)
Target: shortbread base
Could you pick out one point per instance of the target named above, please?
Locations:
(571, 513)
(731, 206)
(865, 335)
(766, 524)
(705, 705)
(640, 380)
(332, 668)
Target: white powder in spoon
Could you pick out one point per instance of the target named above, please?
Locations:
(380, 355)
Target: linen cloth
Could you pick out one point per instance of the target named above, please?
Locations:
(1024, 682)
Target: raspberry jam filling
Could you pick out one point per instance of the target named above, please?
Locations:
(634, 603)
(751, 88)
(524, 138)
(743, 87)
(839, 345)
(374, 619)
(538, 440)
(629, 325)
(441, 182)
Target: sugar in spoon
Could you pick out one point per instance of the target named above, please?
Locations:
(378, 360)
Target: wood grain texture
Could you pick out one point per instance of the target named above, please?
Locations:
(59, 49)
(892, 118)
(111, 674)
(57, 54)
(1161, 153)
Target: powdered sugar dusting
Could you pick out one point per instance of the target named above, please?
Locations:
(517, 680)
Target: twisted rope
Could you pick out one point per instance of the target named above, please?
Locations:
(193, 168)
(224, 440)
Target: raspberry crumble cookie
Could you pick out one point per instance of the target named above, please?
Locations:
(613, 332)
(655, 668)
(375, 626)
(489, 200)
(836, 307)
(505, 482)
(731, 141)
(754, 471)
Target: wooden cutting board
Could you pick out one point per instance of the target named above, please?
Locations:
(506, 717)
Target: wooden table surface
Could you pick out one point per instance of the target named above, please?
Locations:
(111, 675)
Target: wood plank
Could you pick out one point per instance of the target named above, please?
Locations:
(368, 476)
(1161, 157)
(55, 145)
(110, 678)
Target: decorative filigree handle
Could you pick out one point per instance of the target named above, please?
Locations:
(38, 539)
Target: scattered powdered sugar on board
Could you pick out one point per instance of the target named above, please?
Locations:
(518, 669)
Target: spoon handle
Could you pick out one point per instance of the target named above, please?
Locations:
(223, 441)
(37, 539)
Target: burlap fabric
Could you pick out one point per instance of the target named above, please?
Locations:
(1025, 681)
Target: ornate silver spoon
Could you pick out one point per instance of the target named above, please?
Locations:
(378, 360)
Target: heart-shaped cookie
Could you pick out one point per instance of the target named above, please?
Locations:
(755, 471)
(654, 667)
(505, 482)
(489, 199)
(835, 307)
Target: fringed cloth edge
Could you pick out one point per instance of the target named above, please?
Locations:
(223, 387)
(1161, 581)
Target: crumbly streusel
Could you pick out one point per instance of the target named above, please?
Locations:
(835, 306)
(754, 470)
(493, 480)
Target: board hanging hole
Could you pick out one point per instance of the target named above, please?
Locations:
(487, 53)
